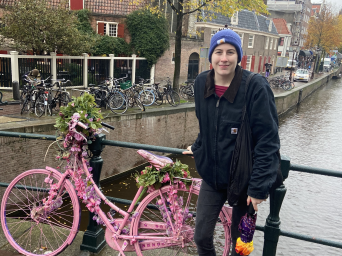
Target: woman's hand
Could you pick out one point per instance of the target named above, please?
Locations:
(255, 202)
(188, 151)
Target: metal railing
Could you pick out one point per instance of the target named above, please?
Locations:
(271, 230)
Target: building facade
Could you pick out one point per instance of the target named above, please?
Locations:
(284, 41)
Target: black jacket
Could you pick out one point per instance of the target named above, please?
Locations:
(219, 121)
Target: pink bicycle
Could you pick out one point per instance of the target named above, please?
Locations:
(40, 214)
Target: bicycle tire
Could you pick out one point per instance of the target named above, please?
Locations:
(39, 106)
(173, 98)
(64, 99)
(286, 85)
(25, 106)
(147, 97)
(182, 92)
(49, 232)
(158, 228)
(117, 103)
(139, 104)
(159, 99)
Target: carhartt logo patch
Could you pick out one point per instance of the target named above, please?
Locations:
(234, 131)
(221, 41)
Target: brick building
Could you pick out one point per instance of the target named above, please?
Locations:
(285, 34)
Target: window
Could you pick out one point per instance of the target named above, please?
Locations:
(173, 58)
(248, 62)
(235, 18)
(275, 44)
(271, 44)
(270, 26)
(266, 44)
(213, 32)
(250, 41)
(281, 41)
(241, 37)
(109, 28)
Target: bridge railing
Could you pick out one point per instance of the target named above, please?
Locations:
(93, 239)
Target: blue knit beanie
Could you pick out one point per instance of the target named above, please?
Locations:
(226, 36)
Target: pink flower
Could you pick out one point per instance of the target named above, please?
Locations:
(185, 174)
(58, 157)
(73, 104)
(85, 115)
(91, 119)
(150, 189)
(166, 178)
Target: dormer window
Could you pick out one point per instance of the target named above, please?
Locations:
(235, 19)
(270, 26)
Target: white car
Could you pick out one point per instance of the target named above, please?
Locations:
(302, 75)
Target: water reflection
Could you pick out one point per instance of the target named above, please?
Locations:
(310, 135)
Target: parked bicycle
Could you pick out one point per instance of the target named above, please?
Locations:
(187, 91)
(171, 95)
(282, 81)
(49, 99)
(40, 211)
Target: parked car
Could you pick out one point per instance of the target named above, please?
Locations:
(302, 75)
(291, 64)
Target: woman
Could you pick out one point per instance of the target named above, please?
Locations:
(219, 99)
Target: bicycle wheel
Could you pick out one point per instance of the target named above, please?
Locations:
(182, 92)
(147, 97)
(159, 98)
(25, 106)
(117, 103)
(286, 85)
(34, 232)
(139, 104)
(173, 98)
(39, 105)
(152, 221)
(64, 99)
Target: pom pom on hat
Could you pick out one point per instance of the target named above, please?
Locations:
(226, 36)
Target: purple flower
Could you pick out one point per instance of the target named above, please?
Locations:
(91, 119)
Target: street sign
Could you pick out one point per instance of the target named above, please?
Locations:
(204, 52)
(281, 62)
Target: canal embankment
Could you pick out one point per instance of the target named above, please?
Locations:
(163, 126)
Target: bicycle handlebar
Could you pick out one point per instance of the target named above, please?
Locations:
(107, 125)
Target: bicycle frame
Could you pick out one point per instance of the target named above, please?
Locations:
(168, 241)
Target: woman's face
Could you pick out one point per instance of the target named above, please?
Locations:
(224, 59)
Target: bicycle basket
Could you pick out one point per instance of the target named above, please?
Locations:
(125, 85)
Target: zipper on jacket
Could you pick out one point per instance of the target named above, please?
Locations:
(216, 124)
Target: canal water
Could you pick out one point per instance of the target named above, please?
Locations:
(311, 135)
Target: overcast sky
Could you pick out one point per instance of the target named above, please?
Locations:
(336, 4)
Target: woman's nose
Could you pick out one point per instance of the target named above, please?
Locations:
(224, 57)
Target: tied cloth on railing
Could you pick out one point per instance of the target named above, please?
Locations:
(244, 244)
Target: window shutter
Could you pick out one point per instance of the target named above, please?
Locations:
(260, 64)
(121, 30)
(244, 62)
(252, 64)
(100, 28)
(269, 59)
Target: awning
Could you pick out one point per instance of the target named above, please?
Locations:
(305, 53)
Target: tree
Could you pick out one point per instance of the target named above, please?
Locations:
(324, 32)
(182, 8)
(149, 34)
(38, 26)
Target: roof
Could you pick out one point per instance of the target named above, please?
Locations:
(246, 20)
(111, 7)
(281, 26)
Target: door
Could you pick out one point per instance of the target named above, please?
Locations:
(193, 66)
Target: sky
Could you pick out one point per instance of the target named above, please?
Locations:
(336, 4)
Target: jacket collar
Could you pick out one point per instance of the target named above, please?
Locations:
(232, 90)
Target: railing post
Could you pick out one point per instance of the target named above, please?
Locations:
(134, 64)
(272, 226)
(93, 238)
(53, 65)
(111, 66)
(85, 70)
(15, 65)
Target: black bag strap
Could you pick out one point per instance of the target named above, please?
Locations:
(249, 78)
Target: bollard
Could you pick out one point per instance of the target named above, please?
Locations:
(272, 226)
(16, 93)
(93, 238)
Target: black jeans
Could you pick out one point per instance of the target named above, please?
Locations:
(210, 202)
